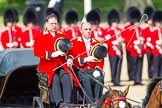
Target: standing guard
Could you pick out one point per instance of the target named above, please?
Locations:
(157, 43)
(94, 18)
(147, 34)
(114, 41)
(135, 43)
(30, 30)
(10, 37)
(127, 38)
(72, 30)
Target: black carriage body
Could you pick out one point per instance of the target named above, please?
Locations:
(18, 78)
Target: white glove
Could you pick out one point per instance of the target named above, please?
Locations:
(138, 50)
(57, 53)
(15, 43)
(10, 45)
(136, 42)
(118, 52)
(29, 44)
(115, 42)
(89, 59)
(96, 73)
(69, 62)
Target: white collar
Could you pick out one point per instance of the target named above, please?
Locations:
(53, 34)
(86, 40)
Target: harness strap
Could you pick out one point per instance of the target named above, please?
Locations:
(109, 100)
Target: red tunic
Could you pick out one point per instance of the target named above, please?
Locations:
(98, 33)
(79, 52)
(11, 35)
(147, 34)
(43, 45)
(71, 33)
(156, 37)
(130, 35)
(27, 39)
(111, 39)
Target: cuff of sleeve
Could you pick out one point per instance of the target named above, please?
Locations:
(81, 61)
(98, 68)
(48, 55)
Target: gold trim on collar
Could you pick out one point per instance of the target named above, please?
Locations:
(80, 39)
(45, 32)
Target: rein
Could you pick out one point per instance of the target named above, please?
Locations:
(109, 100)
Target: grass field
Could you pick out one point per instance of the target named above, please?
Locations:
(104, 5)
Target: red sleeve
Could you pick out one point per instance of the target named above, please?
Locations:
(39, 46)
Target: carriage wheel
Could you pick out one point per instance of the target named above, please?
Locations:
(37, 103)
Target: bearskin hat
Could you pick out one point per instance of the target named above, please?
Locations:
(134, 15)
(113, 16)
(149, 11)
(29, 16)
(129, 10)
(16, 15)
(99, 11)
(49, 11)
(8, 16)
(157, 16)
(93, 17)
(71, 16)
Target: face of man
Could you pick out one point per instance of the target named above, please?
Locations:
(52, 24)
(86, 29)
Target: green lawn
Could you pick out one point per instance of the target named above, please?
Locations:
(104, 5)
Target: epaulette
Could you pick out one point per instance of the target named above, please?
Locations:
(74, 38)
(79, 39)
(59, 32)
(94, 40)
(45, 32)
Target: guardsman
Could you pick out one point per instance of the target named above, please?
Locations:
(94, 18)
(15, 26)
(114, 41)
(10, 37)
(135, 44)
(30, 30)
(53, 61)
(71, 18)
(156, 40)
(147, 34)
(88, 63)
(127, 42)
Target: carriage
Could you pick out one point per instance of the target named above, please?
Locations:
(18, 78)
(21, 85)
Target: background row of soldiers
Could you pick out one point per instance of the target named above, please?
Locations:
(136, 40)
